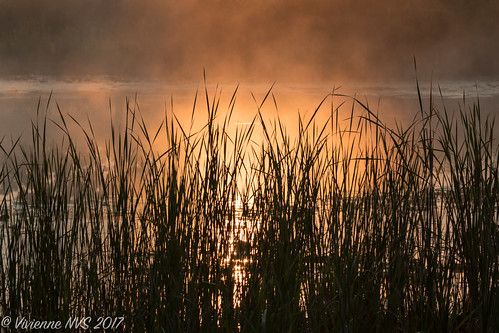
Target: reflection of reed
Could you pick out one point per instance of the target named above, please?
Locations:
(351, 225)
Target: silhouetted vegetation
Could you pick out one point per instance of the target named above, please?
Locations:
(347, 226)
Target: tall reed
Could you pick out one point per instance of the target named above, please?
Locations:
(346, 225)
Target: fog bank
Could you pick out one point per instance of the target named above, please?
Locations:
(293, 40)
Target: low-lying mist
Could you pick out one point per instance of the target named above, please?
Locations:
(249, 40)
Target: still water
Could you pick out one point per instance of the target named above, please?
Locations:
(100, 99)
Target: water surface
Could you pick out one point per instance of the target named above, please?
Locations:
(100, 99)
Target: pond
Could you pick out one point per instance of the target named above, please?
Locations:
(100, 98)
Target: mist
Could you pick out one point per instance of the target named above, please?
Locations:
(297, 41)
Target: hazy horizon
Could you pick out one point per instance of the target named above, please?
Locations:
(292, 41)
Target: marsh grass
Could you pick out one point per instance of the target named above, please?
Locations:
(345, 226)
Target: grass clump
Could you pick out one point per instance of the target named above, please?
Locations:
(345, 226)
